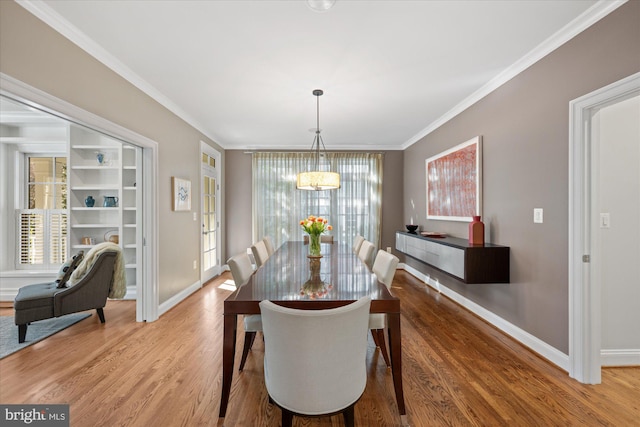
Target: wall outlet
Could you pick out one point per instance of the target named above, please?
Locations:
(389, 249)
(195, 264)
(537, 215)
(195, 216)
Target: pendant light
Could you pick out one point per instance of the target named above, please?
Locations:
(316, 179)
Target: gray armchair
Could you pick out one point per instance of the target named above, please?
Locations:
(46, 300)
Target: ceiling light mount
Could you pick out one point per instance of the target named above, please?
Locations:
(320, 5)
(316, 179)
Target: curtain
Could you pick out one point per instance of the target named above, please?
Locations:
(355, 208)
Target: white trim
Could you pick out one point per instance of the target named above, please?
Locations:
(217, 171)
(146, 310)
(585, 327)
(617, 357)
(569, 31)
(64, 27)
(178, 298)
(545, 350)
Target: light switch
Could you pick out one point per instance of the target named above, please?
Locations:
(537, 215)
(605, 220)
(195, 216)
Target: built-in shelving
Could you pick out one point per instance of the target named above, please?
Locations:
(117, 176)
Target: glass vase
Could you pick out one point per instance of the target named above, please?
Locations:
(314, 245)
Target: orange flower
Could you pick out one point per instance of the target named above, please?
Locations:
(329, 227)
(302, 222)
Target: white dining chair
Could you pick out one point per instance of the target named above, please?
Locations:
(241, 270)
(311, 370)
(384, 267)
(357, 242)
(268, 243)
(260, 253)
(366, 252)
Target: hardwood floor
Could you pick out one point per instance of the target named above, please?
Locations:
(458, 371)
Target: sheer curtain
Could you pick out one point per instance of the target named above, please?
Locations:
(353, 209)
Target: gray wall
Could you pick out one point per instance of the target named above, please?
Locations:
(525, 130)
(35, 54)
(239, 204)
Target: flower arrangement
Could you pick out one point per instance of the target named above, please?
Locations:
(315, 226)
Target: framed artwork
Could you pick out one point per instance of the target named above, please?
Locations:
(180, 194)
(454, 182)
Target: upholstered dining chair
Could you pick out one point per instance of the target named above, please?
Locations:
(241, 270)
(357, 242)
(366, 252)
(260, 254)
(384, 267)
(268, 243)
(324, 238)
(311, 370)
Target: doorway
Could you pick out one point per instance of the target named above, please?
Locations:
(210, 265)
(587, 221)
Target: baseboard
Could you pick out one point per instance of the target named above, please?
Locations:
(178, 298)
(550, 353)
(620, 357)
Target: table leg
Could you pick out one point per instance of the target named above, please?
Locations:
(395, 347)
(228, 354)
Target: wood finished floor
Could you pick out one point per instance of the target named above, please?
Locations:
(458, 371)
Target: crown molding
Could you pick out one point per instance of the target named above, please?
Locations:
(566, 33)
(50, 17)
(599, 10)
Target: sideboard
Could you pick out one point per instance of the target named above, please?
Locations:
(469, 263)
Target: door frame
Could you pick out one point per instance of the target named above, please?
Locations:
(147, 292)
(585, 319)
(212, 152)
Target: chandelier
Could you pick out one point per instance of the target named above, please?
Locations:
(316, 179)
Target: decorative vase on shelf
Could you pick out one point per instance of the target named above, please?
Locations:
(100, 158)
(476, 231)
(314, 245)
(89, 201)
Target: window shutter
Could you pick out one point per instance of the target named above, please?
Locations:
(42, 235)
(57, 237)
(31, 225)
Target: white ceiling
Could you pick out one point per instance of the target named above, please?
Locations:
(242, 72)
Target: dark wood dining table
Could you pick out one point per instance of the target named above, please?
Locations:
(286, 279)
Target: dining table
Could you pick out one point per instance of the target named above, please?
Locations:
(292, 278)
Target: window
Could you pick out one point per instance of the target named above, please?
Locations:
(42, 226)
(353, 209)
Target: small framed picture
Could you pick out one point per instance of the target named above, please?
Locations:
(180, 194)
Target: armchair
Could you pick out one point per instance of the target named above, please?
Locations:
(45, 300)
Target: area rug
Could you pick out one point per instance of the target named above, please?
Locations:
(36, 331)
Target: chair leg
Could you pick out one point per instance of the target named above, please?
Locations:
(249, 337)
(287, 418)
(349, 416)
(383, 346)
(374, 335)
(22, 333)
(100, 314)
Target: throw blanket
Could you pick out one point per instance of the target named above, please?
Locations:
(119, 285)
